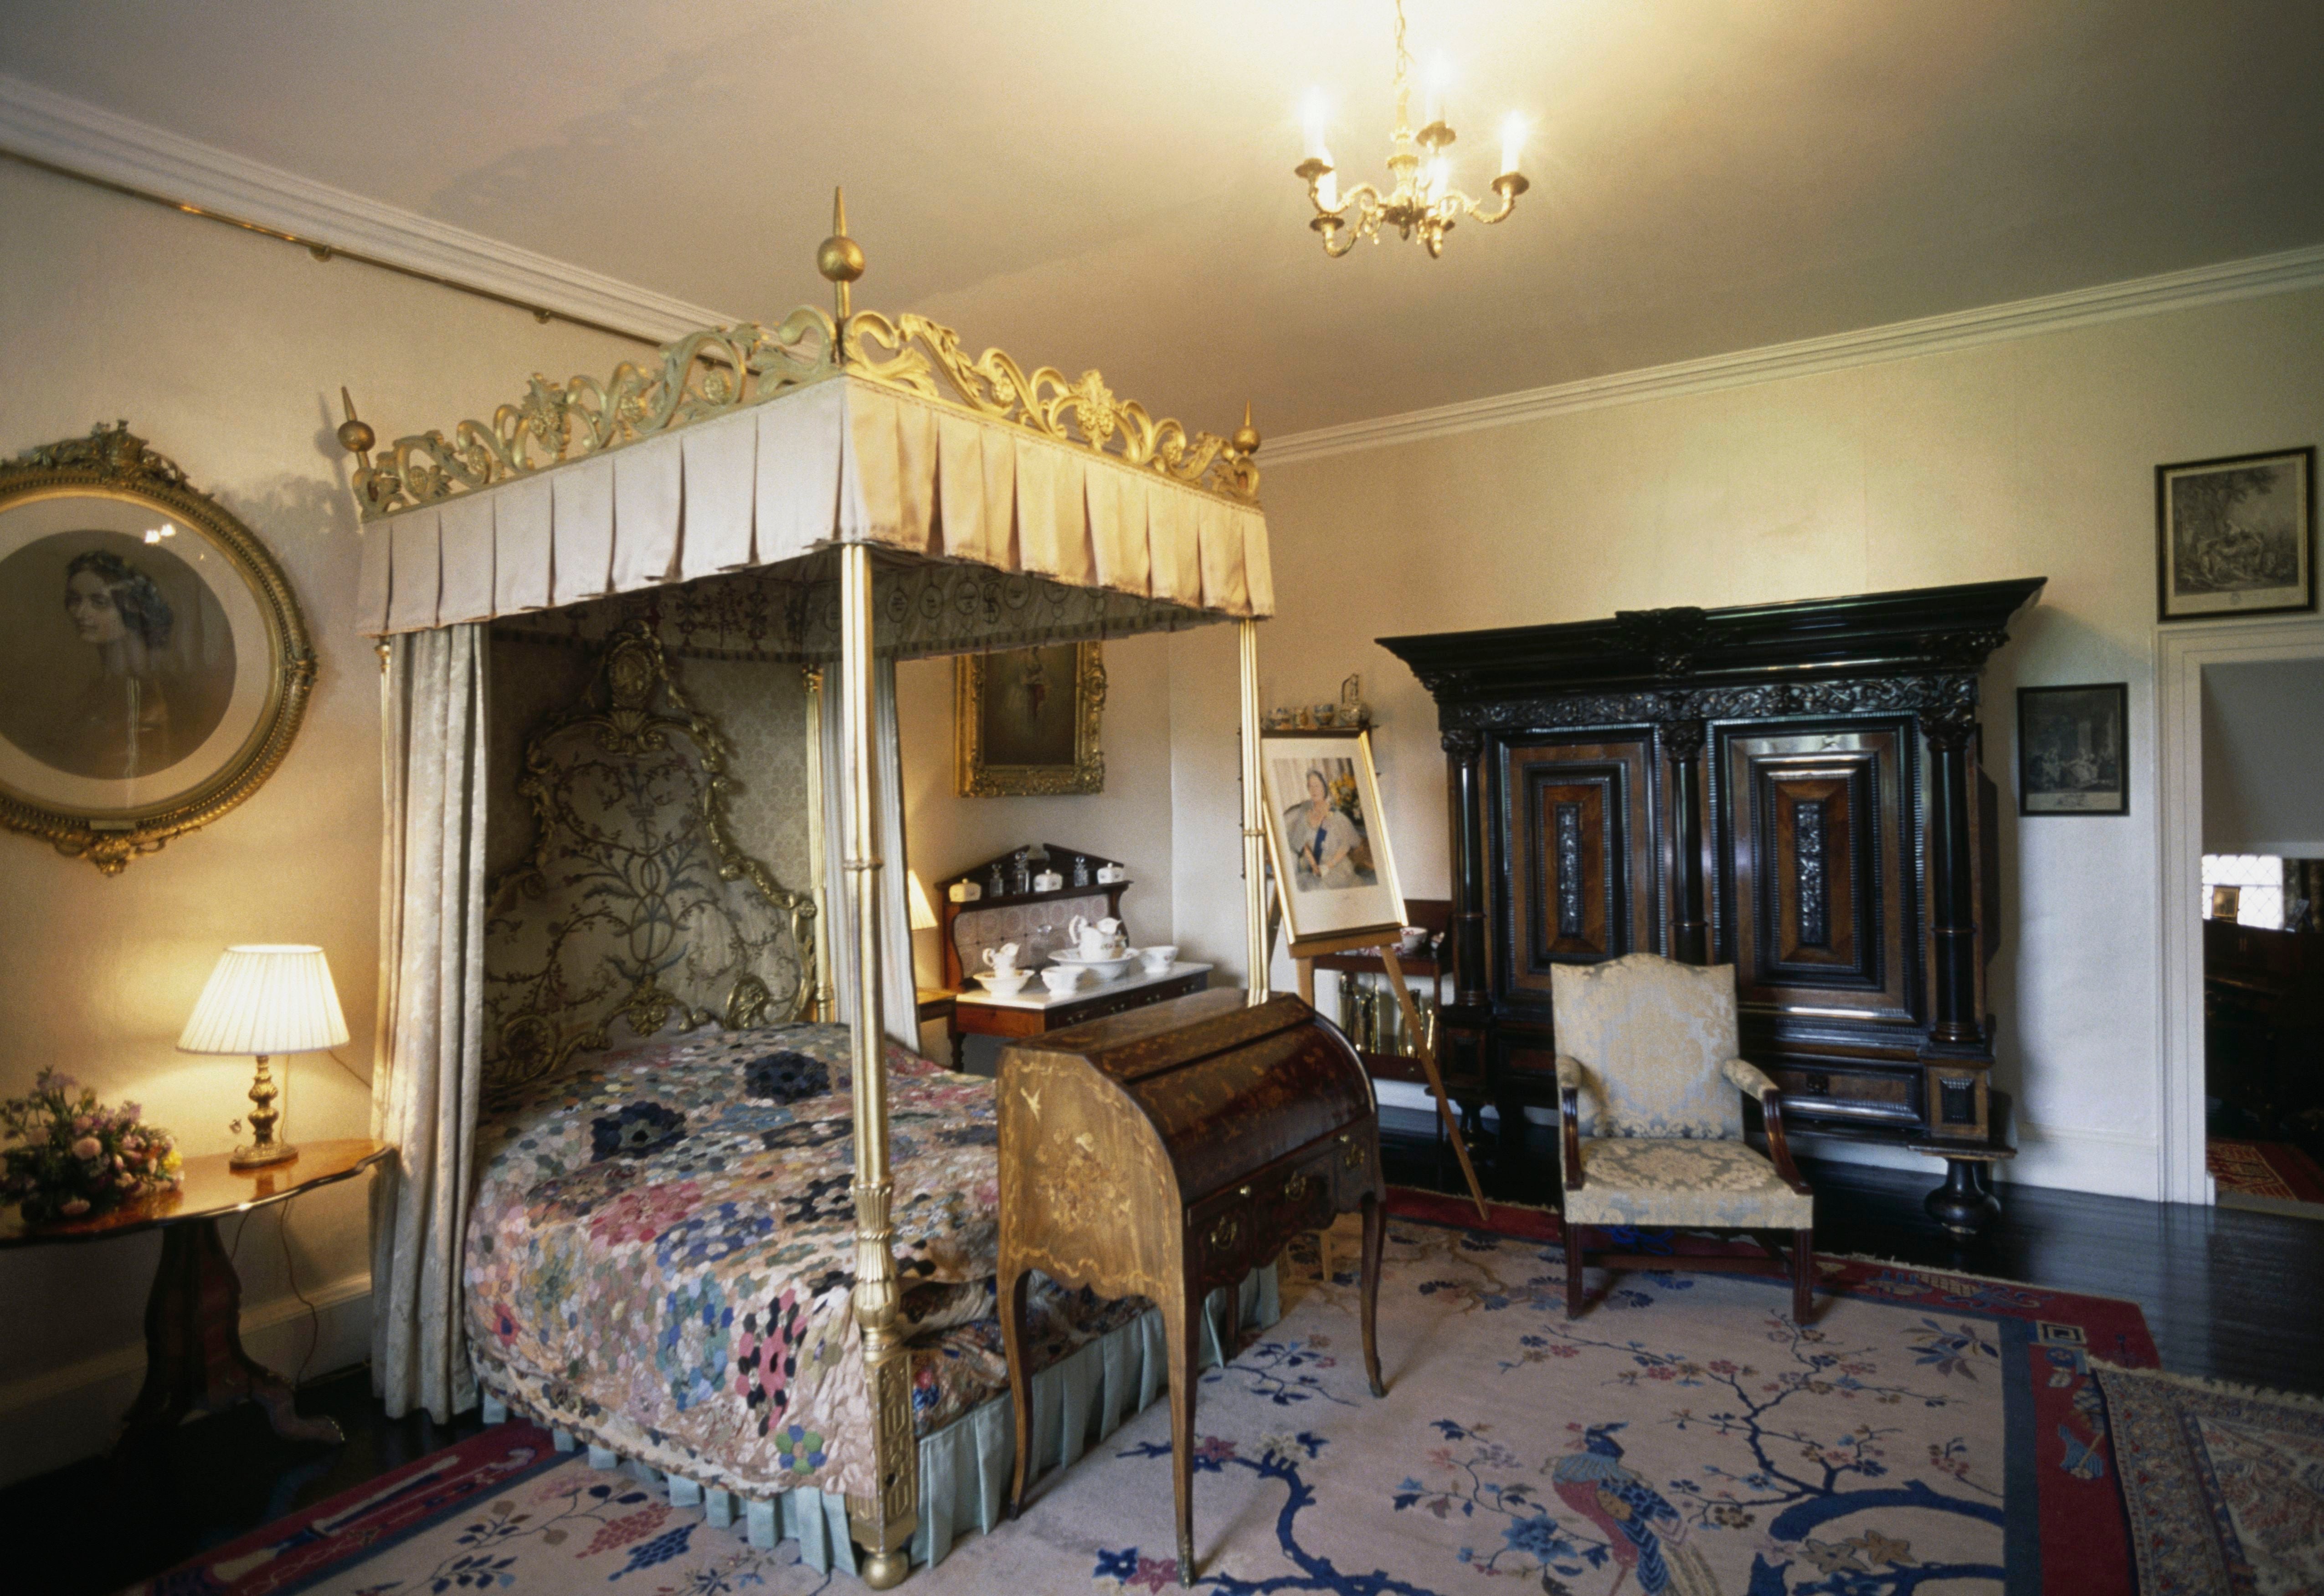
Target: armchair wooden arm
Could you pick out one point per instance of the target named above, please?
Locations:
(1569, 1118)
(1753, 1081)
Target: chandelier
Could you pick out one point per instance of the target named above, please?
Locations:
(1421, 202)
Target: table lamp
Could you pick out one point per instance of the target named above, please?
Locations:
(924, 914)
(266, 1000)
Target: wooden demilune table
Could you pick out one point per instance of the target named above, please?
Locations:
(193, 1317)
(1036, 1010)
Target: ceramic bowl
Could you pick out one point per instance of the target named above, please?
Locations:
(1003, 983)
(1155, 960)
(1103, 969)
(1061, 978)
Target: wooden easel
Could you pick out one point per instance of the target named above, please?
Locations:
(1304, 956)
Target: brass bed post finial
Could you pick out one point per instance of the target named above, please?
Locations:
(840, 260)
(355, 436)
(1246, 437)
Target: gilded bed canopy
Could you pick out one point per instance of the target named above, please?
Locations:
(823, 489)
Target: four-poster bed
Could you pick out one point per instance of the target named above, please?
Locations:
(879, 494)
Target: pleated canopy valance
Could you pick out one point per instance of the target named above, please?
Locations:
(840, 459)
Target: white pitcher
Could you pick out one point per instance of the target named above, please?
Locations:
(1096, 939)
(1001, 959)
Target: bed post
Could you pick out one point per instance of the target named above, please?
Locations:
(1254, 840)
(825, 1008)
(882, 1523)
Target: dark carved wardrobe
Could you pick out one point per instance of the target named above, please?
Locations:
(1795, 788)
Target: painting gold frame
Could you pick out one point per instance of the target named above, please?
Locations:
(122, 484)
(977, 775)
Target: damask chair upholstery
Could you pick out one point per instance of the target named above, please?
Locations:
(1651, 1092)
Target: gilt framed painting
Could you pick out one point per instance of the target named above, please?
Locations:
(1335, 875)
(153, 664)
(2073, 750)
(1026, 721)
(2236, 536)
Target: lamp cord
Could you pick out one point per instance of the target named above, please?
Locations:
(314, 1314)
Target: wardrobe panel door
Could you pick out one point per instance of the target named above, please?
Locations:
(1578, 880)
(1820, 900)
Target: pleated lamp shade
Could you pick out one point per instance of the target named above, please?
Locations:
(924, 914)
(267, 1000)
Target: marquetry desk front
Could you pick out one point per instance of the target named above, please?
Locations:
(1170, 1150)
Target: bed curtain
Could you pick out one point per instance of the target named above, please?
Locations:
(427, 1086)
(898, 996)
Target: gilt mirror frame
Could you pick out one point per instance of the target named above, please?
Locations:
(236, 651)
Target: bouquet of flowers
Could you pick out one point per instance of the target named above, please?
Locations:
(72, 1158)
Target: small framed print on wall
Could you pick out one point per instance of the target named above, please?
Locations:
(2236, 536)
(2073, 750)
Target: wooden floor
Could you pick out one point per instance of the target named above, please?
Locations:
(2229, 1294)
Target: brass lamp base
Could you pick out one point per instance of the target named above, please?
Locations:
(258, 1154)
(263, 1148)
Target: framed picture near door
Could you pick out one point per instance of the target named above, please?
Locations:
(2236, 536)
(2073, 750)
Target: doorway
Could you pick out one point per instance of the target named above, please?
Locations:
(2241, 754)
(2262, 875)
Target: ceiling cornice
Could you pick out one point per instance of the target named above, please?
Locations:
(2287, 272)
(58, 131)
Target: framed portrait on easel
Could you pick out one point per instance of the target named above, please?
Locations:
(1335, 876)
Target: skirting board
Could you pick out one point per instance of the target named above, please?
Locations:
(60, 1417)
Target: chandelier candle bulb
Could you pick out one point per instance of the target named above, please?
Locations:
(1440, 75)
(1316, 149)
(1513, 132)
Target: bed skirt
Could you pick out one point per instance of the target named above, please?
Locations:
(964, 1467)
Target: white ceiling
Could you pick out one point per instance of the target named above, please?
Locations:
(1092, 183)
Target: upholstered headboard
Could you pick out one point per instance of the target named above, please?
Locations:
(633, 909)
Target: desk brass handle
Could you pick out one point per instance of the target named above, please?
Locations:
(1224, 1233)
(1243, 1192)
(1299, 1188)
(1353, 1156)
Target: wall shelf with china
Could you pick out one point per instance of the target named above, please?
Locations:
(1022, 911)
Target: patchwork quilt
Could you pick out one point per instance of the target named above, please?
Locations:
(661, 1252)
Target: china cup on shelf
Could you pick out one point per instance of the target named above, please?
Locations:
(1157, 960)
(1061, 978)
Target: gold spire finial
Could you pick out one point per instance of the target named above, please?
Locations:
(839, 258)
(1246, 437)
(354, 437)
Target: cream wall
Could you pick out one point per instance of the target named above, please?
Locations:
(225, 352)
(1129, 821)
(2030, 458)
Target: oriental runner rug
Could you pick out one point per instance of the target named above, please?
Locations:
(2273, 1176)
(1925, 1432)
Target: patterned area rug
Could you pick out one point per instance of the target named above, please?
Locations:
(1926, 1433)
(2272, 1175)
(2225, 1488)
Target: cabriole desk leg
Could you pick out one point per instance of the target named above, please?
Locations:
(193, 1350)
(1183, 1334)
(1375, 1234)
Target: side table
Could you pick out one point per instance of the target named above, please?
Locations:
(193, 1316)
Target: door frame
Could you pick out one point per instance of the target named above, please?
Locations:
(2181, 653)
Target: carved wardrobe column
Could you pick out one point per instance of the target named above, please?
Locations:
(1690, 930)
(1471, 982)
(1952, 882)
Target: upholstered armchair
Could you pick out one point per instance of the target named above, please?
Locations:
(1651, 1107)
